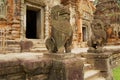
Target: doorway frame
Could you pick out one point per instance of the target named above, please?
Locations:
(40, 19)
(86, 33)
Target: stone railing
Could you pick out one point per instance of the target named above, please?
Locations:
(24, 67)
(102, 62)
(38, 67)
(115, 59)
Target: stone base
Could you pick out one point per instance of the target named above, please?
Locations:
(26, 45)
(59, 56)
(37, 67)
(102, 62)
(98, 50)
(65, 67)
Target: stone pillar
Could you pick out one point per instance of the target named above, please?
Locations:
(65, 67)
(73, 24)
(16, 30)
(23, 20)
(16, 20)
(47, 24)
(102, 62)
(79, 30)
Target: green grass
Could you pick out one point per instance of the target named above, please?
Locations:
(116, 73)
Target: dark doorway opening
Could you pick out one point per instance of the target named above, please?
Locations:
(84, 30)
(31, 24)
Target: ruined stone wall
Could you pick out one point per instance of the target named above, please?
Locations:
(22, 68)
(85, 9)
(10, 26)
(36, 67)
(16, 18)
(108, 11)
(12, 19)
(81, 14)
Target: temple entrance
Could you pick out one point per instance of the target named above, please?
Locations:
(84, 31)
(34, 22)
(31, 24)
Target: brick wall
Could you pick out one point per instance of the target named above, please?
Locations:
(12, 19)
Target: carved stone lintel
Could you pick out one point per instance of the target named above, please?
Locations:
(39, 2)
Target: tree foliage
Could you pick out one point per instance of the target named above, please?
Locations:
(118, 2)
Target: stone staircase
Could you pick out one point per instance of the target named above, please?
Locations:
(38, 46)
(14, 46)
(11, 46)
(90, 73)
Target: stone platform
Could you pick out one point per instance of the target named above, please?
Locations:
(36, 66)
(66, 67)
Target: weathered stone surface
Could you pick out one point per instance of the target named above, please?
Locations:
(66, 69)
(59, 56)
(10, 70)
(39, 77)
(26, 45)
(19, 76)
(102, 62)
(60, 38)
(115, 59)
(7, 62)
(11, 67)
(108, 11)
(98, 37)
(12, 46)
(37, 66)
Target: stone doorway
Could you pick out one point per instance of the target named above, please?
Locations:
(31, 24)
(84, 31)
(34, 22)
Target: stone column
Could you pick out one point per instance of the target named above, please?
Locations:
(73, 24)
(16, 20)
(65, 67)
(102, 62)
(23, 20)
(47, 24)
(79, 30)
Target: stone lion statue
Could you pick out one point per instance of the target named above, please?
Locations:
(98, 37)
(60, 39)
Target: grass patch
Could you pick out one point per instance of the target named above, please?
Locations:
(116, 73)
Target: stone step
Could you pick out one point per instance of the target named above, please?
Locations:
(17, 45)
(39, 46)
(91, 74)
(88, 67)
(38, 50)
(99, 78)
(37, 41)
(84, 60)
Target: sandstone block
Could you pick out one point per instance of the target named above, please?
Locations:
(66, 69)
(19, 76)
(38, 66)
(39, 77)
